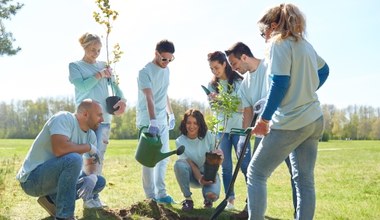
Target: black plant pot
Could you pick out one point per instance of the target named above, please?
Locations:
(111, 101)
(211, 166)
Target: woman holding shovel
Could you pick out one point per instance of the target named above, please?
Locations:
(189, 168)
(293, 108)
(228, 80)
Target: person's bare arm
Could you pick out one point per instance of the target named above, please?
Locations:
(247, 117)
(149, 102)
(197, 173)
(61, 145)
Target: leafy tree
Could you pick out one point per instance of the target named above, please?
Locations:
(6, 38)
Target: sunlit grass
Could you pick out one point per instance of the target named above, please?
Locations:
(347, 183)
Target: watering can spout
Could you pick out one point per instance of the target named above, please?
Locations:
(162, 156)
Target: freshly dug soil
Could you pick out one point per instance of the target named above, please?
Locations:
(151, 210)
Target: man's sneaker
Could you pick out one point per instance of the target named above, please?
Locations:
(166, 200)
(207, 204)
(91, 204)
(47, 204)
(100, 203)
(187, 205)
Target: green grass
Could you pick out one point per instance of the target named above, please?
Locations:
(347, 178)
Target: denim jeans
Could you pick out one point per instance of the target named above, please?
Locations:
(302, 146)
(186, 179)
(102, 137)
(57, 178)
(227, 142)
(154, 178)
(293, 185)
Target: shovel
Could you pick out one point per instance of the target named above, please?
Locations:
(223, 204)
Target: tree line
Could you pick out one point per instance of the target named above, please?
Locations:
(23, 119)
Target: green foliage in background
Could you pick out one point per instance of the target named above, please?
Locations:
(7, 10)
(25, 118)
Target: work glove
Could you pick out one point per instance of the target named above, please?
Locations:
(153, 127)
(94, 153)
(88, 185)
(171, 121)
(240, 146)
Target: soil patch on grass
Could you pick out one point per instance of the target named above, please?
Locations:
(149, 209)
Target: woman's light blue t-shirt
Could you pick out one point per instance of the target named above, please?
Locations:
(195, 149)
(82, 76)
(300, 105)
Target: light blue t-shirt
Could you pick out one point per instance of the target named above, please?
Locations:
(236, 120)
(300, 105)
(195, 149)
(82, 76)
(255, 85)
(63, 123)
(157, 79)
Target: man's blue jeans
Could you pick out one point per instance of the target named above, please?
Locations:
(228, 142)
(302, 146)
(57, 178)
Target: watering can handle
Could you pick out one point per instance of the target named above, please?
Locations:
(140, 130)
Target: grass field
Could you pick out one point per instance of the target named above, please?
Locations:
(347, 183)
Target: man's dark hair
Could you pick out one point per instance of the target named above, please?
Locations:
(165, 46)
(239, 49)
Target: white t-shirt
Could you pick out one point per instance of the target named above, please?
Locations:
(255, 85)
(157, 79)
(63, 123)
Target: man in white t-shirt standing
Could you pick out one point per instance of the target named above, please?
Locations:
(153, 112)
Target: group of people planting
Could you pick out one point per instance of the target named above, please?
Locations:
(65, 160)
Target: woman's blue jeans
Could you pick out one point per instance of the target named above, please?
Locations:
(228, 142)
(186, 179)
(102, 137)
(302, 146)
(57, 178)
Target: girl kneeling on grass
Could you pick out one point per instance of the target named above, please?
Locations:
(189, 167)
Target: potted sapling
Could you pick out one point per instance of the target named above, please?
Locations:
(223, 105)
(105, 17)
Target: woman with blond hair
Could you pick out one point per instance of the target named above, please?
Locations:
(292, 120)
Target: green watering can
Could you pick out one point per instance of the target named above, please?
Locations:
(149, 149)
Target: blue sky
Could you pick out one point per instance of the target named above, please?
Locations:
(344, 34)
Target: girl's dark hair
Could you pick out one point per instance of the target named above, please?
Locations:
(200, 120)
(221, 58)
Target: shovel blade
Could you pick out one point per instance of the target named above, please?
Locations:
(219, 209)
